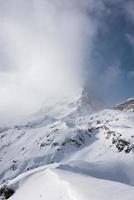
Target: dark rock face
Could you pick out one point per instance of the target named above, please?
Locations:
(6, 192)
(122, 144)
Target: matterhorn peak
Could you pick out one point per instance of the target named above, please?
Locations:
(89, 102)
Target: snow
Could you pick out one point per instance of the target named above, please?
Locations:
(62, 184)
(127, 105)
(62, 154)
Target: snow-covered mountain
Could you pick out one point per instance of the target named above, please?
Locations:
(126, 105)
(64, 153)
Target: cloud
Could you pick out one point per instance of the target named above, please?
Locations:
(51, 48)
(42, 51)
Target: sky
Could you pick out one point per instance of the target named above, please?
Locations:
(53, 48)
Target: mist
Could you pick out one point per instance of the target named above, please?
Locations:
(42, 51)
(51, 49)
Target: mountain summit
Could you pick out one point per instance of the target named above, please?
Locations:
(89, 102)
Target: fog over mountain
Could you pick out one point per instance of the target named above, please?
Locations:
(67, 99)
(54, 48)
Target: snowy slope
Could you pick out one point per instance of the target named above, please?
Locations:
(91, 152)
(49, 136)
(126, 105)
(55, 184)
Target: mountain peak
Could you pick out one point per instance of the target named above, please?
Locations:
(89, 102)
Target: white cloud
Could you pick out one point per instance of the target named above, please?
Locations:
(45, 46)
(43, 50)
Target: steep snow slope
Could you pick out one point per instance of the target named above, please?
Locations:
(102, 137)
(49, 136)
(98, 145)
